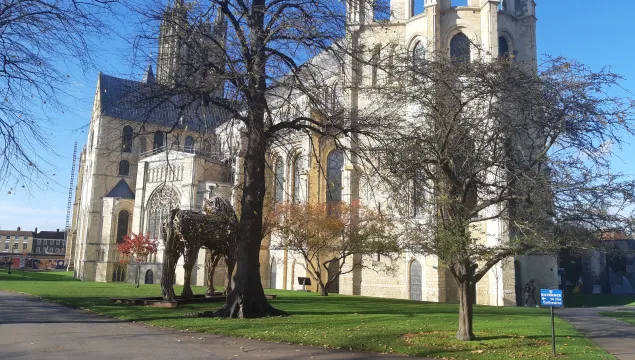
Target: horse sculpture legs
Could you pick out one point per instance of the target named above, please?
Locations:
(190, 255)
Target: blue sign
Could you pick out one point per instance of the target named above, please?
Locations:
(549, 297)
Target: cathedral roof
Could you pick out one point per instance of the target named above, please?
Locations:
(121, 190)
(149, 102)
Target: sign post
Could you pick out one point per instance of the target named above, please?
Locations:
(552, 298)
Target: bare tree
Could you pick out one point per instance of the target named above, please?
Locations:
(257, 62)
(332, 238)
(473, 142)
(39, 38)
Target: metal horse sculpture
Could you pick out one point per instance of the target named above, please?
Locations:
(186, 232)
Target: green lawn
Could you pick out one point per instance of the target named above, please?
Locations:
(337, 321)
(595, 300)
(625, 316)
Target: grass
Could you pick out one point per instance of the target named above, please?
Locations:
(596, 300)
(337, 321)
(625, 316)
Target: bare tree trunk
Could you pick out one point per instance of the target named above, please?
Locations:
(324, 289)
(230, 262)
(466, 306)
(137, 275)
(170, 258)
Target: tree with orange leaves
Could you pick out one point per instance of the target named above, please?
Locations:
(136, 250)
(333, 238)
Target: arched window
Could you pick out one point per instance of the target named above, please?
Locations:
(142, 145)
(126, 139)
(503, 48)
(159, 205)
(334, 167)
(118, 274)
(279, 180)
(149, 277)
(273, 273)
(297, 170)
(415, 280)
(189, 144)
(418, 52)
(159, 138)
(122, 225)
(460, 48)
(124, 168)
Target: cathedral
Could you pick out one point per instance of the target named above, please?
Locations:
(139, 162)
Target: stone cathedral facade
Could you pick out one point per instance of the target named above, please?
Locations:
(135, 167)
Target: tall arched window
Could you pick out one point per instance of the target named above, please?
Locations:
(418, 52)
(415, 280)
(460, 48)
(503, 48)
(273, 273)
(279, 180)
(159, 138)
(122, 225)
(189, 144)
(124, 168)
(334, 167)
(159, 205)
(297, 170)
(126, 139)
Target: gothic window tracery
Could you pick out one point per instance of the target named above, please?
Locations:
(159, 206)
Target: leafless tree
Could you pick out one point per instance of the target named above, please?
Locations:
(39, 39)
(477, 142)
(266, 59)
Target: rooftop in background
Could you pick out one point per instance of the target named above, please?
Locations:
(616, 235)
(49, 235)
(17, 232)
(152, 103)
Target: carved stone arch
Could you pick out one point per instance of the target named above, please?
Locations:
(471, 35)
(414, 39)
(507, 35)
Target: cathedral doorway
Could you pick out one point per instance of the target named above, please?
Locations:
(149, 277)
(415, 280)
(119, 274)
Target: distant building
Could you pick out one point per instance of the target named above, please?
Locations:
(49, 243)
(15, 241)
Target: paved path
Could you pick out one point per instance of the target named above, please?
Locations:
(616, 337)
(32, 329)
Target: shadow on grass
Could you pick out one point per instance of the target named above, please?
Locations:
(29, 275)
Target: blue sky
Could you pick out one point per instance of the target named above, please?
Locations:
(594, 33)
